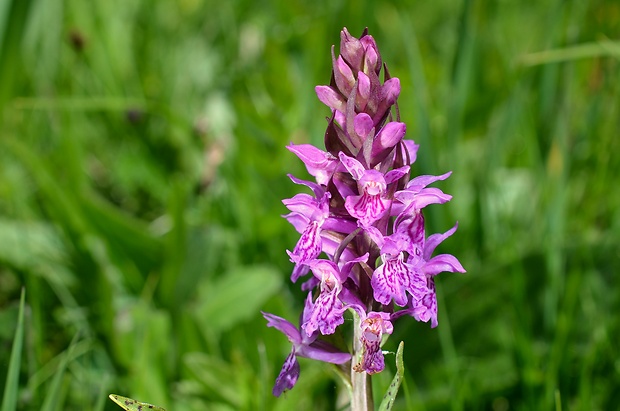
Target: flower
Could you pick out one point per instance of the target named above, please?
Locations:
(373, 327)
(416, 196)
(423, 306)
(307, 215)
(395, 276)
(303, 346)
(328, 309)
(372, 204)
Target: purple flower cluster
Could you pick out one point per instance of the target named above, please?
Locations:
(365, 216)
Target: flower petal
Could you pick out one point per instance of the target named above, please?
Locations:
(307, 206)
(319, 163)
(298, 271)
(434, 240)
(323, 351)
(443, 263)
(426, 310)
(288, 375)
(372, 359)
(390, 280)
(372, 329)
(284, 326)
(372, 59)
(420, 182)
(412, 226)
(327, 314)
(367, 208)
(309, 245)
(396, 174)
(317, 189)
(351, 49)
(390, 91)
(354, 167)
(419, 200)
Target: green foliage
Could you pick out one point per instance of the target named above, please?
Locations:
(390, 395)
(142, 167)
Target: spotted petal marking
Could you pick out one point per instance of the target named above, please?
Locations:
(326, 315)
(288, 375)
(367, 208)
(390, 280)
(426, 308)
(307, 248)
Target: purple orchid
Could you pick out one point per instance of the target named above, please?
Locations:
(307, 215)
(423, 306)
(372, 204)
(395, 277)
(362, 231)
(373, 327)
(328, 309)
(440, 263)
(416, 195)
(303, 346)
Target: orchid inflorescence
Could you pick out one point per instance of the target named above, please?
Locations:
(365, 215)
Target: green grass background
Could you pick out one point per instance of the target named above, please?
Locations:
(142, 164)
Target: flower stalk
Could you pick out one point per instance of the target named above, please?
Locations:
(361, 388)
(363, 245)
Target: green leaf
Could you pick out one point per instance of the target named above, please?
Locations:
(14, 17)
(237, 296)
(132, 405)
(26, 245)
(9, 400)
(218, 377)
(390, 395)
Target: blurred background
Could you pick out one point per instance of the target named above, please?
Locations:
(143, 163)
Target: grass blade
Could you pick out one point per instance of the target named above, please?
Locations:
(53, 395)
(605, 48)
(9, 401)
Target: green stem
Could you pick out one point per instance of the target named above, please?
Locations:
(361, 397)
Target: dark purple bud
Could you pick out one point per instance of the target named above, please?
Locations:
(331, 98)
(363, 125)
(351, 49)
(343, 76)
(363, 90)
(390, 135)
(372, 59)
(388, 95)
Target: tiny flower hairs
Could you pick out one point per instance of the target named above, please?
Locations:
(362, 246)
